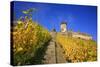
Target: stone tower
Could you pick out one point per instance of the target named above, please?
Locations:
(63, 27)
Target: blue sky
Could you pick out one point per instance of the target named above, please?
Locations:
(79, 18)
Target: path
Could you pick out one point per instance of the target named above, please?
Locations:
(54, 53)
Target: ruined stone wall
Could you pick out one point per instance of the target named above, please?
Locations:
(76, 35)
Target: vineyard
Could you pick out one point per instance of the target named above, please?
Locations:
(77, 50)
(30, 41)
(27, 39)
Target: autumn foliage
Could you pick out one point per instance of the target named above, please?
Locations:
(77, 50)
(27, 39)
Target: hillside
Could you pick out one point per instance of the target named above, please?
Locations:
(27, 41)
(32, 42)
(77, 50)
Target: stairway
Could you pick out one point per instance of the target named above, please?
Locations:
(54, 53)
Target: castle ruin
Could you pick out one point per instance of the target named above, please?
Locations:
(64, 31)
